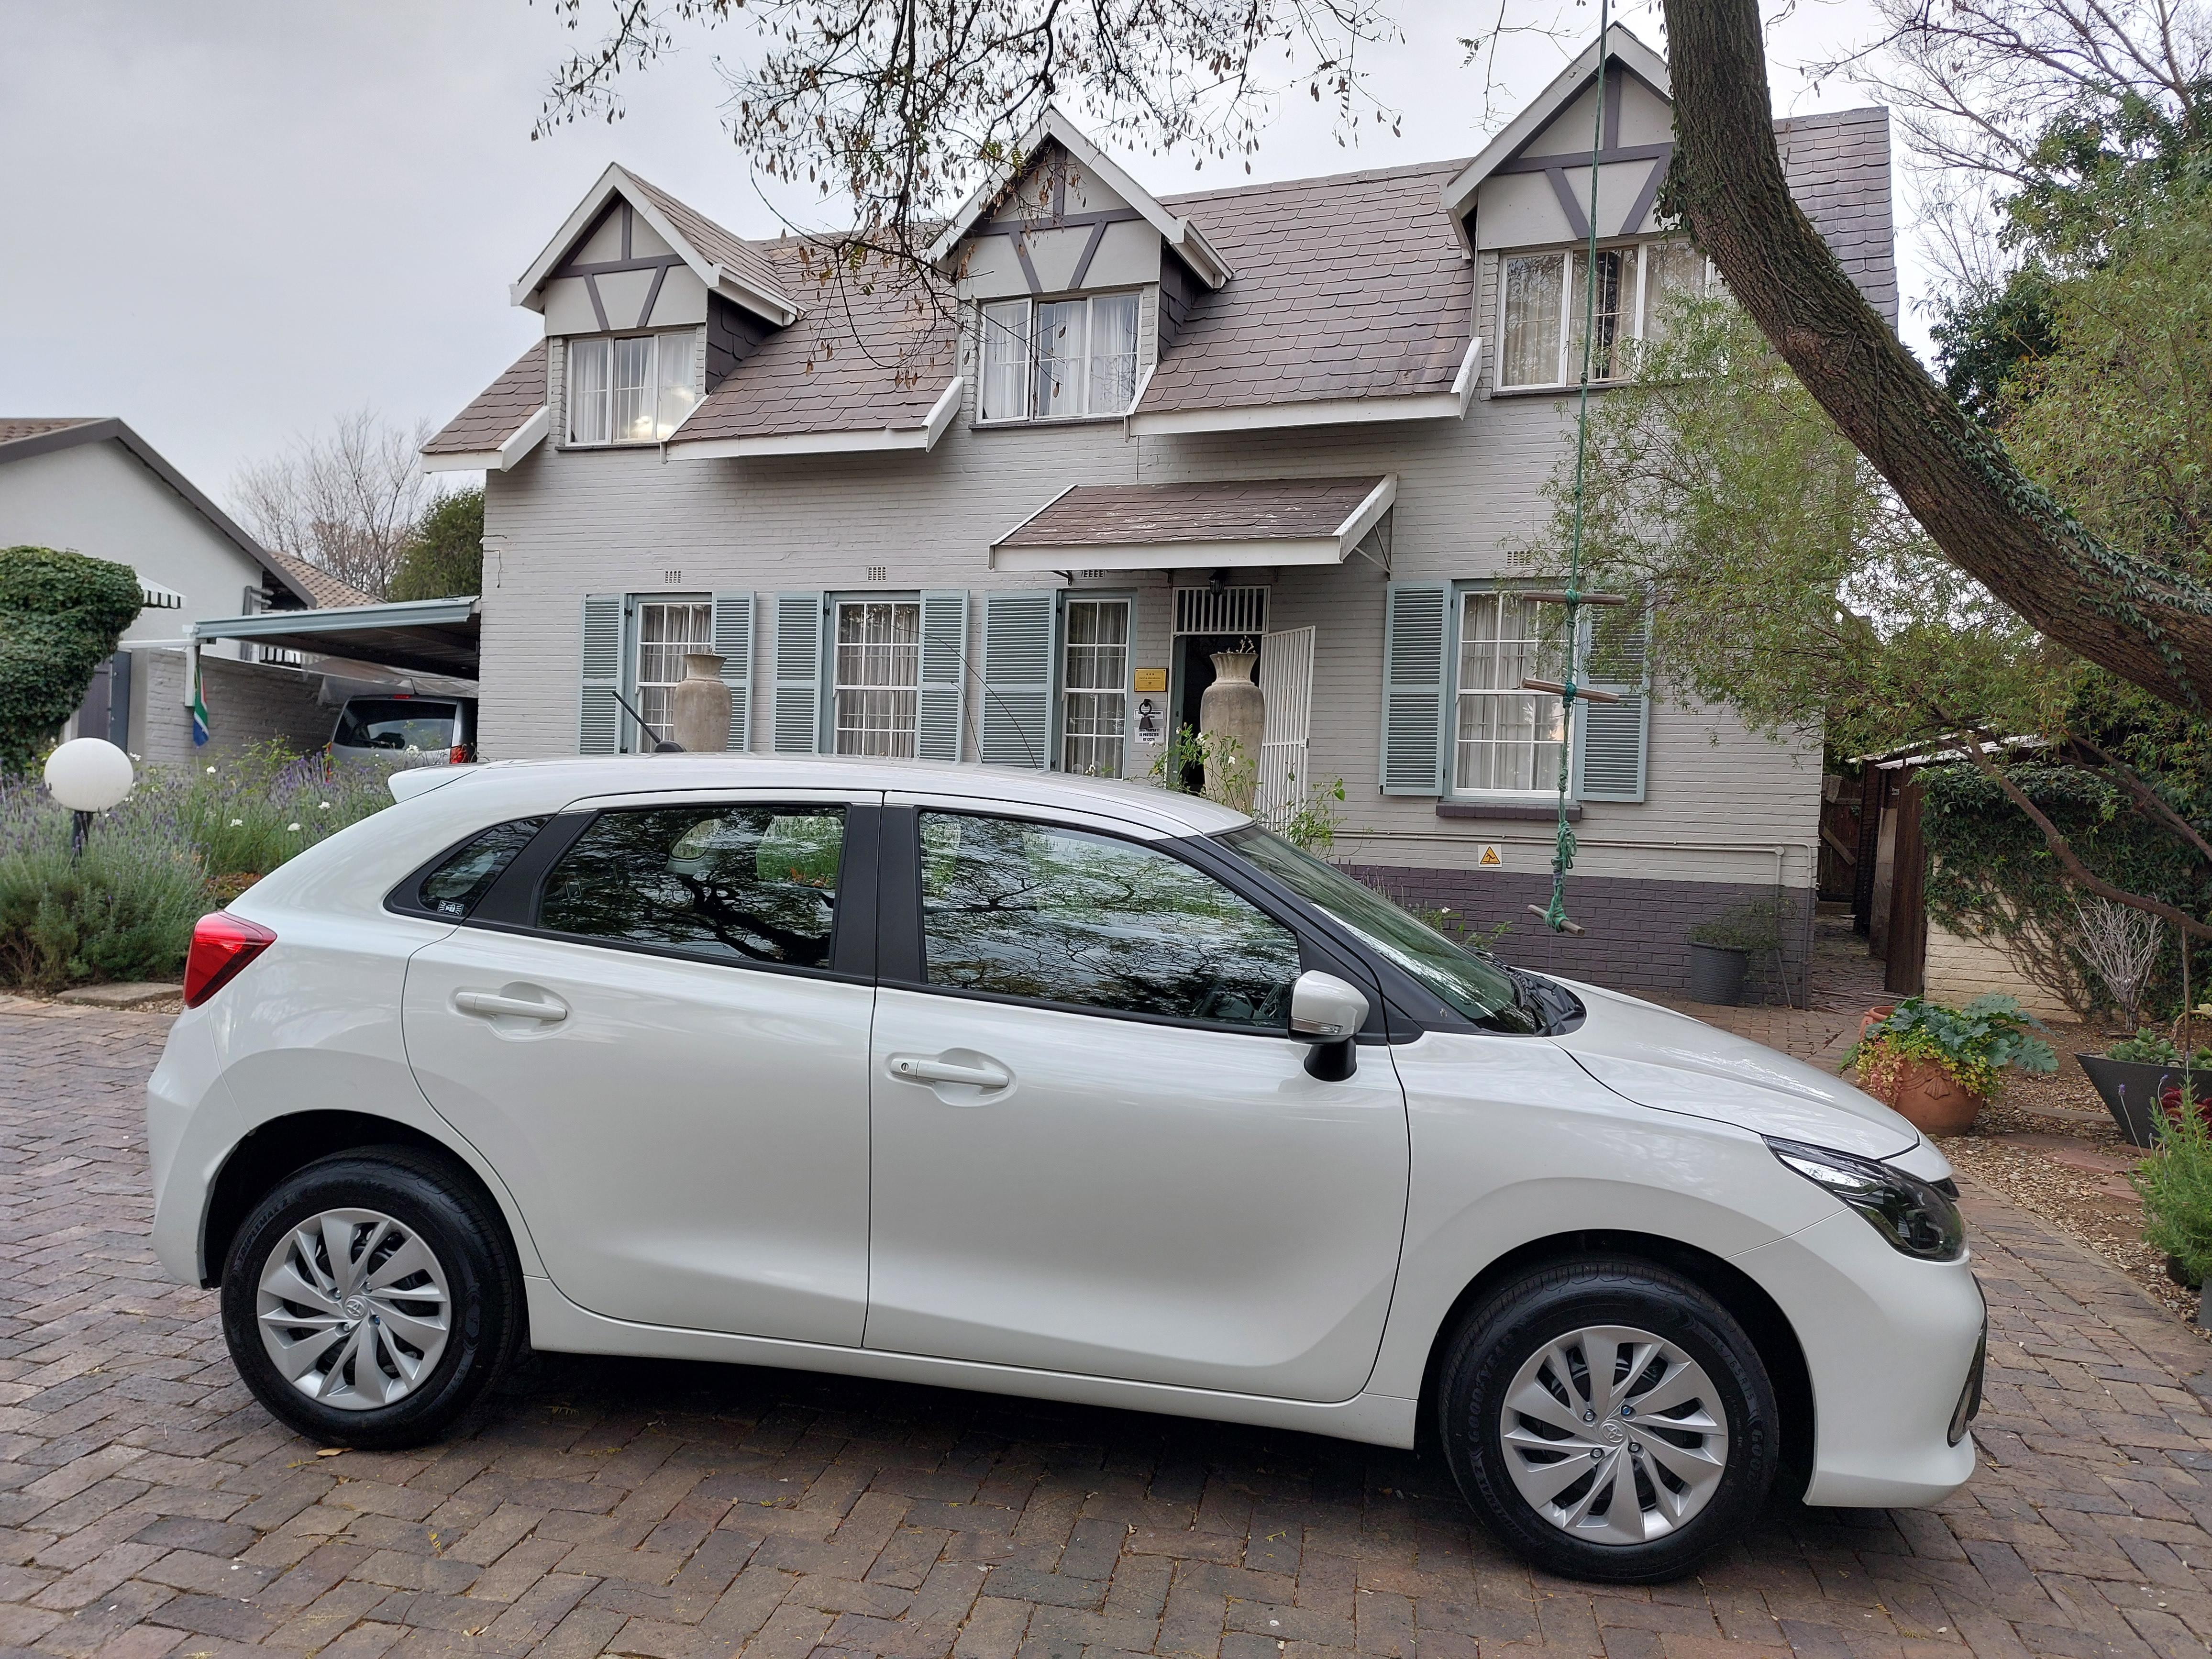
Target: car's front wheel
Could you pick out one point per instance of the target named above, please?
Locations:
(1610, 1419)
(371, 1298)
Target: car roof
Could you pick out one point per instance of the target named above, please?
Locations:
(552, 783)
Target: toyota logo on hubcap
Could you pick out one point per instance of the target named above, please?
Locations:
(357, 1307)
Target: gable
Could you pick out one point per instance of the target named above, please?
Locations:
(1060, 227)
(1540, 191)
(621, 274)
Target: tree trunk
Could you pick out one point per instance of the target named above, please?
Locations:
(2146, 624)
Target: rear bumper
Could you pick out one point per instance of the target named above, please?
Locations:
(1893, 1346)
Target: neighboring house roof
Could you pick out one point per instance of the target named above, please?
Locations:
(1351, 287)
(1265, 521)
(1183, 237)
(1828, 160)
(23, 437)
(328, 590)
(726, 263)
(493, 432)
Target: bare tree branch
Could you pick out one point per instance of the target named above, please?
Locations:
(344, 500)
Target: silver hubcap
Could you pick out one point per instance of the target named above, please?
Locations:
(354, 1308)
(1614, 1435)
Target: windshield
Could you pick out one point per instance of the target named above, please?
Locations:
(1474, 986)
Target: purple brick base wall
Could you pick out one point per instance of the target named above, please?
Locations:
(1637, 936)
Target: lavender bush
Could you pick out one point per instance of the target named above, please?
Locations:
(185, 841)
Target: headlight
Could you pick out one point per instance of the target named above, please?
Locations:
(1914, 1215)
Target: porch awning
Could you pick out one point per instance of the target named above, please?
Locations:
(1198, 527)
(421, 636)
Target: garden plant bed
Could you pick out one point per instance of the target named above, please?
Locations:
(2048, 1145)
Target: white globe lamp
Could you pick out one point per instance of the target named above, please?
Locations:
(87, 775)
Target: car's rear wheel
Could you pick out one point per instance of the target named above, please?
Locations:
(371, 1298)
(1609, 1420)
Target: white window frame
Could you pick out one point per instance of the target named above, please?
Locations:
(1069, 692)
(1545, 789)
(1569, 362)
(1026, 309)
(908, 724)
(685, 339)
(655, 698)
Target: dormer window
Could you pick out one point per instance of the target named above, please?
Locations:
(631, 389)
(1058, 360)
(1543, 307)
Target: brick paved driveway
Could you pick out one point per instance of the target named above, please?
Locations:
(148, 1506)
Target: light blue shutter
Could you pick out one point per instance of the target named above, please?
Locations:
(599, 720)
(944, 674)
(797, 716)
(1414, 615)
(1018, 630)
(1612, 740)
(734, 643)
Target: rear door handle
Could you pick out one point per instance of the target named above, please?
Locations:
(917, 1069)
(492, 1005)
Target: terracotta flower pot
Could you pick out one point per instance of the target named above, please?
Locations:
(1874, 1017)
(1931, 1100)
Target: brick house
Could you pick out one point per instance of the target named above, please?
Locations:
(1313, 416)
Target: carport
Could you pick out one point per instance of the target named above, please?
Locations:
(414, 637)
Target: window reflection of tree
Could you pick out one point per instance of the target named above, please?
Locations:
(753, 884)
(1063, 916)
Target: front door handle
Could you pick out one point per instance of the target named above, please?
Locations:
(918, 1069)
(492, 1005)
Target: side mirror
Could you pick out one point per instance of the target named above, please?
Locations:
(1328, 1012)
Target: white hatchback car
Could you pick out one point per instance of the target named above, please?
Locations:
(1000, 1080)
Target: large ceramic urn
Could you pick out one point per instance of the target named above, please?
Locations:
(1232, 714)
(701, 705)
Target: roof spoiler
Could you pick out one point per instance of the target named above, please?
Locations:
(412, 781)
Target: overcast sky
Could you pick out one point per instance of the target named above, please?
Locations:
(230, 221)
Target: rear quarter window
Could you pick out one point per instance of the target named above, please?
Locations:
(459, 883)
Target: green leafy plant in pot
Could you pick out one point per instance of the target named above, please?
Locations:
(1937, 1065)
(2140, 1080)
(1721, 948)
(2176, 1185)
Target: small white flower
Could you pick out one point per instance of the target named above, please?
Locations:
(237, 822)
(324, 805)
(210, 771)
(291, 826)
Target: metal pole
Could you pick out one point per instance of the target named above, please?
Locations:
(80, 827)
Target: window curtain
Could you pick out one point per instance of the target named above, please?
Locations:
(1006, 361)
(677, 396)
(1060, 355)
(1530, 353)
(587, 391)
(1113, 353)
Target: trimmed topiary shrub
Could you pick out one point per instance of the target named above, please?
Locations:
(61, 615)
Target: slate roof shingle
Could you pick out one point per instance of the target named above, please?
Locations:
(325, 589)
(498, 411)
(751, 263)
(12, 430)
(1265, 509)
(1838, 166)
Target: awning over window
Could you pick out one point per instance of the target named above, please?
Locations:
(421, 636)
(1198, 527)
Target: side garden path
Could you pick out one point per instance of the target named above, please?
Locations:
(148, 1507)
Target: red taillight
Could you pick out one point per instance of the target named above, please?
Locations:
(221, 944)
(459, 756)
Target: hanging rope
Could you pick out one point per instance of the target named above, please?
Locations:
(1564, 849)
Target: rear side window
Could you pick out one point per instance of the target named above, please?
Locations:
(457, 886)
(397, 723)
(1060, 915)
(731, 884)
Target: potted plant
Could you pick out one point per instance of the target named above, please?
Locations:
(1721, 949)
(1936, 1064)
(2140, 1078)
(2176, 1184)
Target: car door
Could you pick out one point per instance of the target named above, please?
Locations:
(656, 1029)
(1097, 1149)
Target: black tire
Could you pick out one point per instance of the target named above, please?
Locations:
(1516, 1322)
(465, 1233)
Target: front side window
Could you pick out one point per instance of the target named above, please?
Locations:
(1506, 740)
(879, 676)
(1095, 672)
(1059, 358)
(668, 631)
(631, 389)
(1051, 915)
(730, 883)
(1544, 297)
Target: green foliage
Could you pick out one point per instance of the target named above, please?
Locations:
(2176, 1185)
(1785, 582)
(1310, 825)
(61, 615)
(2149, 1047)
(248, 814)
(1986, 334)
(1755, 926)
(1972, 1044)
(443, 555)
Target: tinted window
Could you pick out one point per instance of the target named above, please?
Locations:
(454, 887)
(1062, 915)
(738, 884)
(395, 723)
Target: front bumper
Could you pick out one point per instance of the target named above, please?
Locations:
(1892, 1346)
